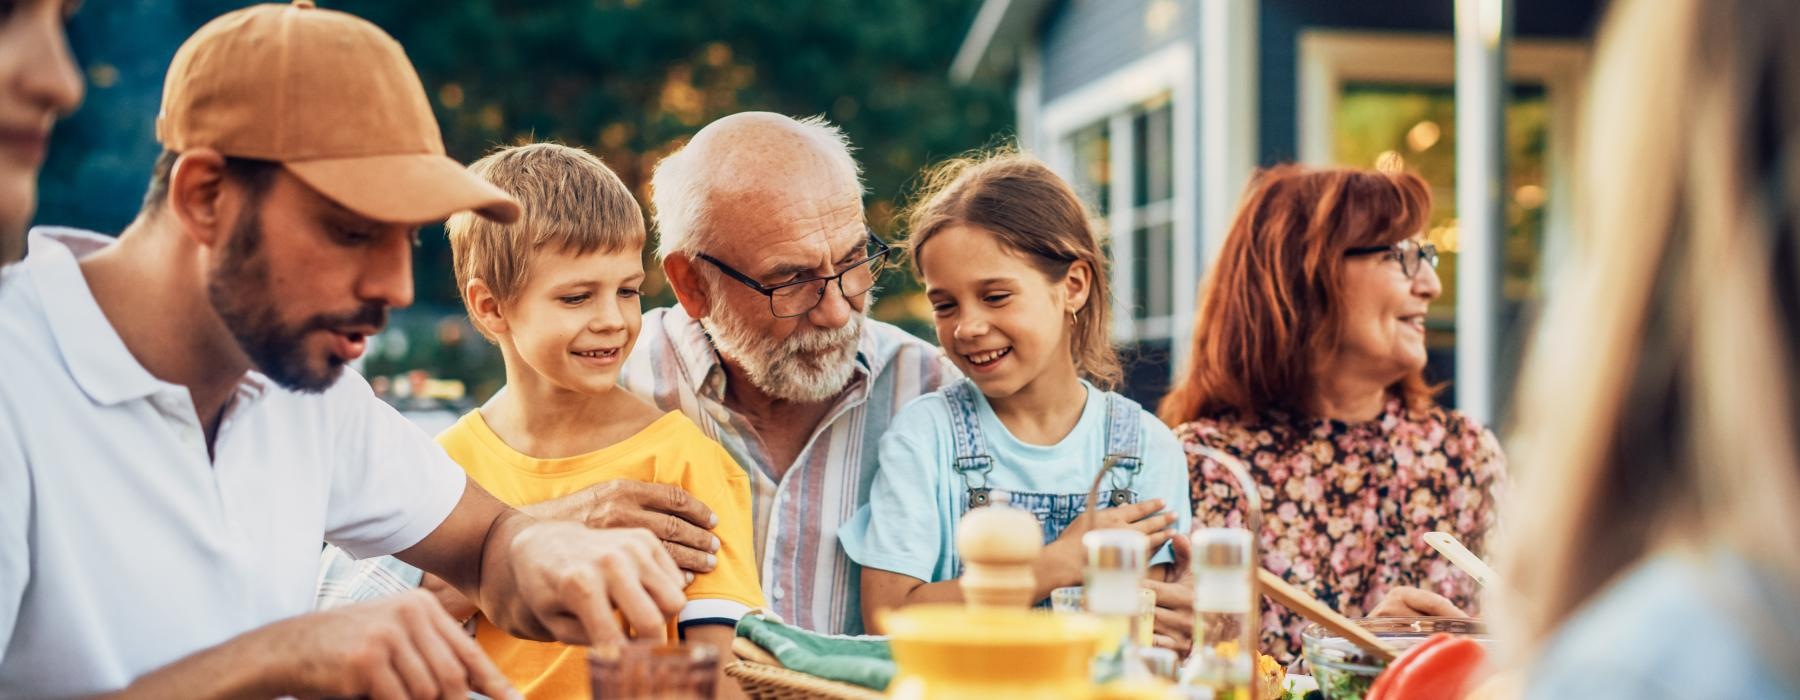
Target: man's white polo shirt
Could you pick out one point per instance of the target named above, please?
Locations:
(122, 546)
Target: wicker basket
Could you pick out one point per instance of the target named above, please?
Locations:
(763, 678)
(765, 682)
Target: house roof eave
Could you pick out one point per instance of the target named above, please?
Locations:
(1000, 29)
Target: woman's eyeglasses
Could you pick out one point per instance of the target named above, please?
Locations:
(1408, 252)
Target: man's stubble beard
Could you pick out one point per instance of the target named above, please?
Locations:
(806, 367)
(238, 288)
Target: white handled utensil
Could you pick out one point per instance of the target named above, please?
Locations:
(1447, 545)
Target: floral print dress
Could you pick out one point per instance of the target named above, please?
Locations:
(1346, 505)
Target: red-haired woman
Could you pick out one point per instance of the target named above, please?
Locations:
(1307, 364)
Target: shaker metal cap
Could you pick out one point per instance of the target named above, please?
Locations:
(1117, 550)
(1221, 547)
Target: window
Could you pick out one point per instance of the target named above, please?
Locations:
(1092, 176)
(1123, 167)
(1126, 143)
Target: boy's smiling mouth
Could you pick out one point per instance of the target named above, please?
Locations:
(600, 354)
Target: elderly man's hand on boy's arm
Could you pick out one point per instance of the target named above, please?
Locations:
(682, 522)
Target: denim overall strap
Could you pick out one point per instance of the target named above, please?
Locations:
(971, 460)
(1124, 454)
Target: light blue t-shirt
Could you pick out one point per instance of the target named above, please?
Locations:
(1679, 625)
(909, 524)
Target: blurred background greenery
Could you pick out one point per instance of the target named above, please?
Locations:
(629, 80)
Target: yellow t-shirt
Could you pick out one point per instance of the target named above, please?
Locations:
(670, 451)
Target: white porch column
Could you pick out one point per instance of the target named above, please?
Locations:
(1227, 152)
(1483, 29)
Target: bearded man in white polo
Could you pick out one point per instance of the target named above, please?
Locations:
(178, 434)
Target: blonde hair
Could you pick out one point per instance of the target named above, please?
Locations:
(1658, 410)
(1031, 211)
(572, 204)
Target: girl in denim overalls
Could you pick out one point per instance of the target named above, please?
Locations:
(1017, 284)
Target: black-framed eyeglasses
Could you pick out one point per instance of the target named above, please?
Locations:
(796, 298)
(1408, 252)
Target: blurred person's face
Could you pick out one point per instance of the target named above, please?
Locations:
(1002, 321)
(576, 319)
(1383, 317)
(808, 227)
(38, 82)
(302, 283)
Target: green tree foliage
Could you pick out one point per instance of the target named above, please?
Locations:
(629, 80)
(632, 80)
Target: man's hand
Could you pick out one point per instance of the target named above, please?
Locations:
(572, 578)
(1062, 561)
(1406, 601)
(402, 646)
(1175, 601)
(681, 521)
(551, 579)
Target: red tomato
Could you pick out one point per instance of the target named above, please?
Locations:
(1436, 669)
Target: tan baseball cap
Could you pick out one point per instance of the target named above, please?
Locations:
(334, 100)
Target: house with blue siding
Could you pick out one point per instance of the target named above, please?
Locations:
(1159, 111)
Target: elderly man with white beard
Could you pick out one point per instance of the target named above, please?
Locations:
(762, 237)
(770, 352)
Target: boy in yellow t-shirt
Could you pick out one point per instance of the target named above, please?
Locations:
(558, 292)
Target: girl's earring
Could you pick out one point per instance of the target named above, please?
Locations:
(1072, 319)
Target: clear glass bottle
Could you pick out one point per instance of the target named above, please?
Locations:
(1222, 664)
(1116, 563)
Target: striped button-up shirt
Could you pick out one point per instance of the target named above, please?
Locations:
(806, 578)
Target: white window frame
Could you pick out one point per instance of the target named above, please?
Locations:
(1115, 99)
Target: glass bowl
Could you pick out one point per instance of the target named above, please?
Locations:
(1345, 672)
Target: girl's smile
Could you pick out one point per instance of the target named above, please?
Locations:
(1003, 322)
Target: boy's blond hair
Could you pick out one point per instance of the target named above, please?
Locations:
(572, 202)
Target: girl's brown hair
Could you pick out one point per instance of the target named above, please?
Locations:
(1269, 309)
(1031, 211)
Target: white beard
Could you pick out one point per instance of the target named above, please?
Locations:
(806, 367)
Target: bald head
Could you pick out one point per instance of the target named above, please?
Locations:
(751, 167)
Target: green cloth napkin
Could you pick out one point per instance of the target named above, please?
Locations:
(864, 661)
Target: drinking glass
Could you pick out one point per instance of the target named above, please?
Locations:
(646, 670)
(1074, 599)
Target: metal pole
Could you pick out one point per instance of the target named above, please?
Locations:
(1483, 29)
